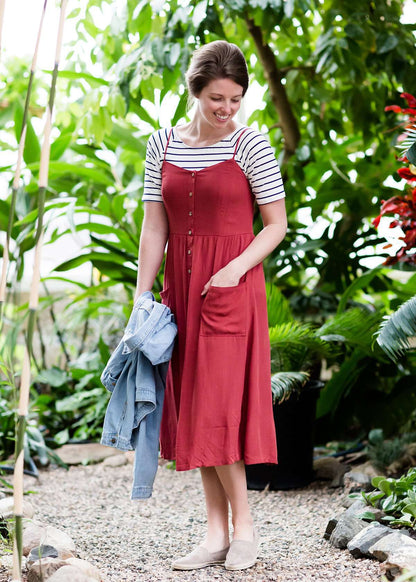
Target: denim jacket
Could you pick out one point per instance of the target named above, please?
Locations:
(136, 375)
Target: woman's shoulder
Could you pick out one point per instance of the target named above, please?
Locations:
(249, 133)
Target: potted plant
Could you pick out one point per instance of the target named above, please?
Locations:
(297, 351)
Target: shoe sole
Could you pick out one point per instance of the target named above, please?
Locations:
(197, 566)
(241, 566)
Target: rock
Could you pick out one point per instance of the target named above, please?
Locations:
(43, 569)
(328, 468)
(396, 542)
(356, 481)
(7, 508)
(7, 561)
(70, 574)
(347, 527)
(86, 567)
(115, 461)
(357, 508)
(40, 552)
(85, 453)
(367, 537)
(330, 527)
(399, 561)
(37, 534)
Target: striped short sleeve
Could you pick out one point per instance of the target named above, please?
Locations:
(153, 166)
(256, 158)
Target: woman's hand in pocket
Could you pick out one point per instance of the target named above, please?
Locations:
(228, 276)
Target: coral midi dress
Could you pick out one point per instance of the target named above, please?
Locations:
(218, 401)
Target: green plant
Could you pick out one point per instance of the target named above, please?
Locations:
(397, 329)
(71, 403)
(396, 498)
(383, 452)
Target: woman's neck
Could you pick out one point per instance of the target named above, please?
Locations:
(198, 133)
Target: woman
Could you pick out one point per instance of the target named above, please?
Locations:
(202, 179)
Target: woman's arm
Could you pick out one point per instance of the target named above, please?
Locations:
(153, 240)
(274, 229)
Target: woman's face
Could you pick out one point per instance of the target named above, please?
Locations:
(219, 101)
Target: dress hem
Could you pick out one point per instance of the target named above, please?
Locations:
(229, 461)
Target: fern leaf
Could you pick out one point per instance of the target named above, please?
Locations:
(284, 383)
(397, 329)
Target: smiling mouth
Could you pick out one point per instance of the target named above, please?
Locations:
(222, 117)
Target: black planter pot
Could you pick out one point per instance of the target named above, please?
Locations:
(294, 420)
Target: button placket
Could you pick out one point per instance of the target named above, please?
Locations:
(190, 237)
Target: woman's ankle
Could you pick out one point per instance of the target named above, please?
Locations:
(243, 529)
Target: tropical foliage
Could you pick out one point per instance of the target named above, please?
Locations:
(322, 74)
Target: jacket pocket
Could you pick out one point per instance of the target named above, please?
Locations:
(224, 311)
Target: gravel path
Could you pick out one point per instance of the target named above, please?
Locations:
(136, 541)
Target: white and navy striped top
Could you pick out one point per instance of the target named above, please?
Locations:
(254, 155)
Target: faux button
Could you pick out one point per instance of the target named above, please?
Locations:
(189, 251)
(190, 193)
(189, 271)
(189, 231)
(190, 213)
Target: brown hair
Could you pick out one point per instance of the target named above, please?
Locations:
(216, 60)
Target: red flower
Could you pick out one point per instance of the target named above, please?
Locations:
(406, 174)
(409, 98)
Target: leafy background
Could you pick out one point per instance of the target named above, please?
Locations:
(322, 73)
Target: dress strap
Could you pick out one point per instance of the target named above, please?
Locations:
(238, 141)
(167, 143)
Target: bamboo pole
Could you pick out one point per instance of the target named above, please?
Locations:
(15, 187)
(33, 304)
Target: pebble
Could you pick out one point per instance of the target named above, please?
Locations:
(136, 541)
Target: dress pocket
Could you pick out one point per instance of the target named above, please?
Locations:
(224, 311)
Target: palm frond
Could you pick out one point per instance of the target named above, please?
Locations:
(397, 329)
(293, 344)
(408, 146)
(284, 383)
(355, 327)
(278, 308)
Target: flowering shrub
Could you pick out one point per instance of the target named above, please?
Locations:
(403, 208)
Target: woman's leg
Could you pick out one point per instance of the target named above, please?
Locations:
(234, 483)
(216, 500)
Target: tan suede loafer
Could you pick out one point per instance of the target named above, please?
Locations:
(200, 557)
(242, 553)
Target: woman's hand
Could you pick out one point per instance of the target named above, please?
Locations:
(228, 276)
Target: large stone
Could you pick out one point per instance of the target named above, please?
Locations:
(367, 537)
(399, 561)
(331, 525)
(394, 543)
(37, 534)
(70, 574)
(88, 569)
(347, 527)
(85, 453)
(40, 552)
(115, 461)
(7, 508)
(43, 569)
(330, 469)
(357, 508)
